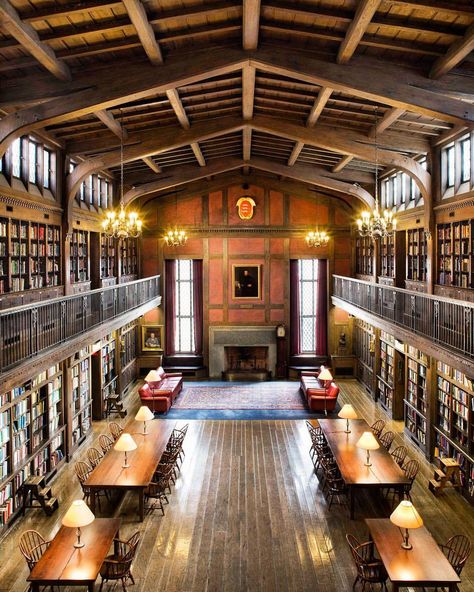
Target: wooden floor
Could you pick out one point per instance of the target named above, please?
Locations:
(247, 513)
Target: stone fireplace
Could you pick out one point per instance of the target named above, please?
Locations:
(246, 362)
(253, 345)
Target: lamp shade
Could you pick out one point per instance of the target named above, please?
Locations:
(325, 374)
(144, 414)
(347, 412)
(78, 515)
(405, 515)
(125, 443)
(367, 441)
(153, 376)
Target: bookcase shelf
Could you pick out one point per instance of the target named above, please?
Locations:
(32, 436)
(389, 390)
(364, 344)
(128, 356)
(30, 255)
(79, 256)
(128, 257)
(81, 397)
(416, 403)
(455, 254)
(416, 255)
(387, 257)
(454, 423)
(364, 256)
(104, 375)
(107, 257)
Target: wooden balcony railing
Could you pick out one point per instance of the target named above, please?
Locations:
(445, 322)
(29, 330)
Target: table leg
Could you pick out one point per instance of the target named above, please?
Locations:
(141, 504)
(351, 497)
(395, 586)
(34, 587)
(92, 500)
(90, 587)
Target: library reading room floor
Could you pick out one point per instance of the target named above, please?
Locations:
(246, 513)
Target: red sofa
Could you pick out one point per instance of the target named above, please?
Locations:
(318, 397)
(159, 396)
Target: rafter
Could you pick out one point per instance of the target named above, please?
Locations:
(364, 13)
(319, 104)
(248, 91)
(455, 54)
(198, 153)
(151, 164)
(386, 121)
(178, 108)
(247, 143)
(342, 163)
(136, 12)
(114, 126)
(29, 39)
(297, 148)
(250, 23)
(446, 6)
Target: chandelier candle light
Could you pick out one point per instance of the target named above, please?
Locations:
(120, 223)
(175, 238)
(375, 224)
(317, 238)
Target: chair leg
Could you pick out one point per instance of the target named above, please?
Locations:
(101, 584)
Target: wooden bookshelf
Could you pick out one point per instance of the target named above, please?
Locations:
(416, 255)
(81, 397)
(364, 345)
(107, 257)
(387, 257)
(364, 256)
(455, 254)
(104, 375)
(416, 402)
(128, 257)
(128, 357)
(445, 253)
(79, 256)
(32, 437)
(389, 382)
(454, 422)
(30, 255)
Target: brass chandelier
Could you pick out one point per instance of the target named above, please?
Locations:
(317, 238)
(175, 238)
(376, 224)
(120, 223)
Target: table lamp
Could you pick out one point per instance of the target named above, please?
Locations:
(78, 515)
(125, 444)
(144, 414)
(405, 516)
(347, 412)
(153, 376)
(368, 442)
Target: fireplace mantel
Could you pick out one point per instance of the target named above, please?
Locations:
(221, 336)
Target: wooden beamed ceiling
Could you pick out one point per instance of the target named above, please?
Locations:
(286, 73)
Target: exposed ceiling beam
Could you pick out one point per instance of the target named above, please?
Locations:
(29, 39)
(307, 174)
(198, 153)
(250, 24)
(455, 54)
(449, 135)
(178, 108)
(446, 6)
(297, 148)
(342, 163)
(114, 126)
(319, 104)
(386, 121)
(136, 12)
(248, 91)
(151, 164)
(247, 143)
(66, 10)
(364, 13)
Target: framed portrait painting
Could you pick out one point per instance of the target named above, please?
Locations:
(246, 282)
(152, 338)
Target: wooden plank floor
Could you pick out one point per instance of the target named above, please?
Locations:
(247, 513)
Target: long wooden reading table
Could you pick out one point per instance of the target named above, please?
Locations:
(64, 565)
(350, 459)
(110, 474)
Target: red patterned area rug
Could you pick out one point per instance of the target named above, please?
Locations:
(249, 395)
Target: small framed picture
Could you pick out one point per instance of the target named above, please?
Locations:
(246, 282)
(152, 338)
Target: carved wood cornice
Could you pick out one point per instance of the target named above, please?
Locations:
(9, 200)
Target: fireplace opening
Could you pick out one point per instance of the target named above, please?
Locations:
(246, 363)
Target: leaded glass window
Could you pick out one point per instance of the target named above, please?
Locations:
(308, 303)
(184, 320)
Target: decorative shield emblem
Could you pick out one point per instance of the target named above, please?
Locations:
(245, 207)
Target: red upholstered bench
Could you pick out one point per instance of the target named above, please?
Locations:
(318, 397)
(159, 396)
